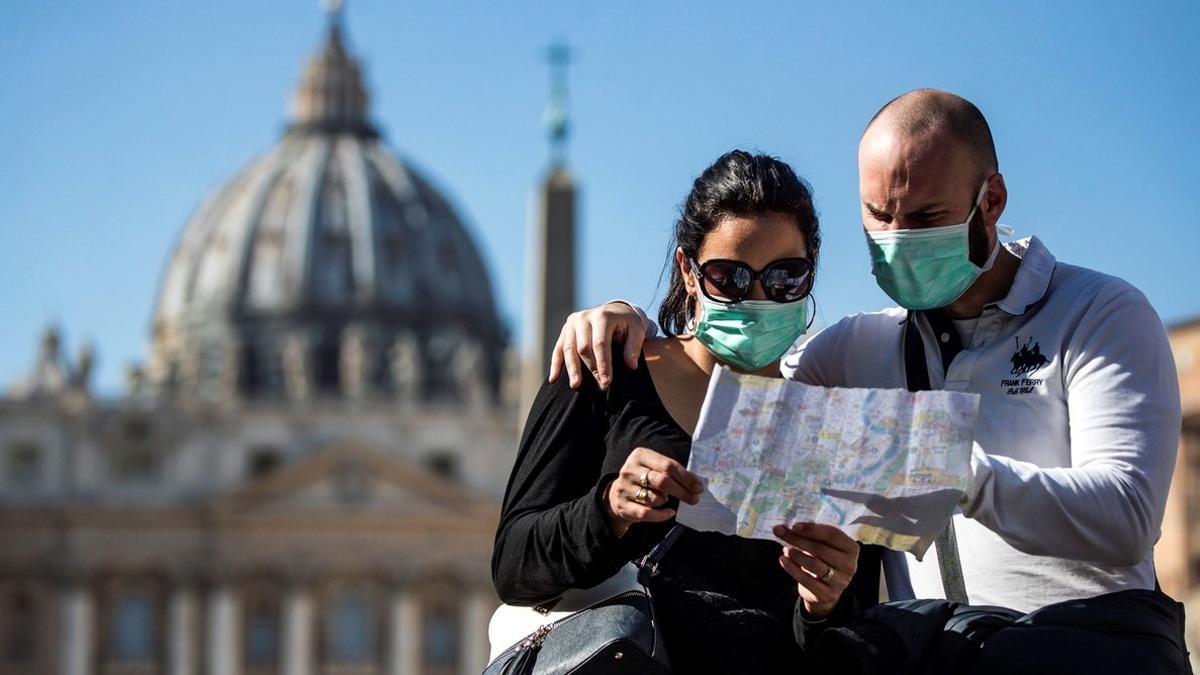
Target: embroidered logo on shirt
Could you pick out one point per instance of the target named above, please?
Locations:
(1026, 360)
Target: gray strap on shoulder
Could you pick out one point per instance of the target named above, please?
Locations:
(946, 546)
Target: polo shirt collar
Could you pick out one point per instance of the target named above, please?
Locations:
(1033, 276)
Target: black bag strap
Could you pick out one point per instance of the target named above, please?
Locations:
(916, 372)
(648, 565)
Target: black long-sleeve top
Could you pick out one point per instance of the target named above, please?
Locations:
(554, 534)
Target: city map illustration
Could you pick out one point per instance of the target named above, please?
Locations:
(887, 466)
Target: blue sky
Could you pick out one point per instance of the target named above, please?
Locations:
(116, 118)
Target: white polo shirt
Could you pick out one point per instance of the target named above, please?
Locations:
(1077, 434)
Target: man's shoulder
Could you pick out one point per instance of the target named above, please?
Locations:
(1086, 288)
(1099, 314)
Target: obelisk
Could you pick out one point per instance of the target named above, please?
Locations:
(551, 255)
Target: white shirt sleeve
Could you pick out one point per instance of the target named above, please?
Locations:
(804, 363)
(855, 351)
(1123, 398)
(650, 326)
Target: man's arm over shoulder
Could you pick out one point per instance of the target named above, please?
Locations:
(648, 324)
(1123, 402)
(839, 354)
(587, 337)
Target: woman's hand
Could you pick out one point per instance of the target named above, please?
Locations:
(646, 480)
(587, 337)
(822, 559)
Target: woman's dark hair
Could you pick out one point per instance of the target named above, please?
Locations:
(737, 184)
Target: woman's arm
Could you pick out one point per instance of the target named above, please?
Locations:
(554, 532)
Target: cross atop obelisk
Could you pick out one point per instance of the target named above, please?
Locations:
(558, 55)
(334, 9)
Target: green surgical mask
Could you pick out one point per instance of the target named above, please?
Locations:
(750, 334)
(929, 267)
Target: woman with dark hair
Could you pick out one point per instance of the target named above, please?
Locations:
(587, 496)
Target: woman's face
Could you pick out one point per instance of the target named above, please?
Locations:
(755, 240)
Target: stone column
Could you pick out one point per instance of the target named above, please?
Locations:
(222, 642)
(181, 636)
(297, 656)
(297, 367)
(476, 612)
(404, 633)
(78, 617)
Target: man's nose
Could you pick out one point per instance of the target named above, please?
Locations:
(881, 227)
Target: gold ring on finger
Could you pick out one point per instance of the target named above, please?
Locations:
(644, 481)
(641, 495)
(828, 575)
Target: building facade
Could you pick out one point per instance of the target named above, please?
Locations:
(304, 477)
(1177, 553)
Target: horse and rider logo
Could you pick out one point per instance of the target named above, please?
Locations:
(1027, 359)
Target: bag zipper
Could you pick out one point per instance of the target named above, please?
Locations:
(536, 638)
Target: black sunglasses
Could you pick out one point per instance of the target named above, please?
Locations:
(785, 280)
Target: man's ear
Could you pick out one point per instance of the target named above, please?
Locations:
(994, 200)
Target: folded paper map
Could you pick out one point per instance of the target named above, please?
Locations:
(887, 466)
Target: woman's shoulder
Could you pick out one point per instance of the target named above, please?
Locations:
(624, 381)
(667, 350)
(666, 357)
(659, 356)
(622, 373)
(664, 368)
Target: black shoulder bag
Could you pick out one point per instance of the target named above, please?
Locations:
(610, 629)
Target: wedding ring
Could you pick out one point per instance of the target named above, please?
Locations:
(828, 575)
(641, 495)
(644, 481)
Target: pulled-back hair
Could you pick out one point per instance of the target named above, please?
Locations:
(737, 184)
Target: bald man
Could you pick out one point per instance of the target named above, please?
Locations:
(1079, 416)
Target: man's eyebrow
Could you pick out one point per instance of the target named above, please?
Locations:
(926, 209)
(922, 209)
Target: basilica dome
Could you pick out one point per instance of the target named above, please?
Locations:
(327, 267)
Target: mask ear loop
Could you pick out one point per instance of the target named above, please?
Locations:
(1001, 231)
(811, 317)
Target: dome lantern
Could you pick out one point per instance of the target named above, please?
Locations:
(331, 95)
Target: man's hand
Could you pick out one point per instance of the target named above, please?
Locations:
(588, 335)
(900, 514)
(822, 559)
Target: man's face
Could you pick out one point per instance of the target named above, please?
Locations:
(912, 183)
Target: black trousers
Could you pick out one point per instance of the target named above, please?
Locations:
(1134, 631)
